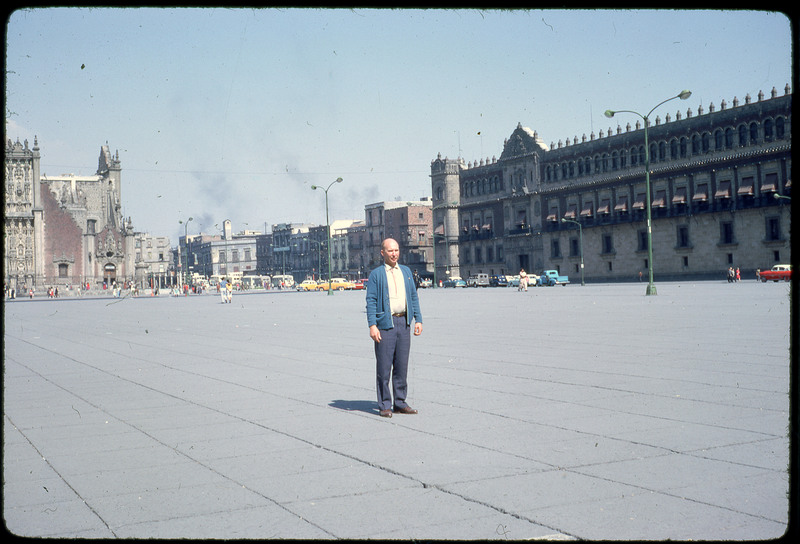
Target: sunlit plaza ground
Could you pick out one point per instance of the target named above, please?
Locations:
(591, 412)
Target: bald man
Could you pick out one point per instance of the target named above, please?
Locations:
(392, 306)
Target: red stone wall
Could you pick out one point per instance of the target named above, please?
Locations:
(62, 236)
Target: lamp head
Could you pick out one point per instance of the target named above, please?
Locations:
(610, 113)
(314, 187)
(338, 180)
(685, 94)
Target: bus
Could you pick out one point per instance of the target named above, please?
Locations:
(285, 279)
(255, 282)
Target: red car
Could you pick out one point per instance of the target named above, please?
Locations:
(779, 272)
(360, 284)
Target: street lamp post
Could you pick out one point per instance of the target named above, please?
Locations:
(186, 240)
(580, 235)
(328, 228)
(683, 95)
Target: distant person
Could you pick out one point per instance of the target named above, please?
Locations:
(392, 303)
(229, 291)
(222, 286)
(738, 274)
(758, 274)
(523, 280)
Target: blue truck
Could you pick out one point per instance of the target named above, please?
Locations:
(552, 277)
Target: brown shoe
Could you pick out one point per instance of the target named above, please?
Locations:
(386, 413)
(405, 410)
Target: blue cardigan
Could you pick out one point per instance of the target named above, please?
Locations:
(378, 309)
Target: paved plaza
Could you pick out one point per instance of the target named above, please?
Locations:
(591, 412)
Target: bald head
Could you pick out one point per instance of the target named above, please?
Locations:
(390, 251)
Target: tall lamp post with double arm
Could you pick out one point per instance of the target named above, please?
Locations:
(683, 95)
(328, 227)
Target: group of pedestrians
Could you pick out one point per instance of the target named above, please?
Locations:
(225, 290)
(734, 275)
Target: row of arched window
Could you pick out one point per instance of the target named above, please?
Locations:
(674, 149)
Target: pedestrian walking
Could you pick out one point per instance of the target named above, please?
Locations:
(222, 286)
(229, 291)
(523, 280)
(392, 304)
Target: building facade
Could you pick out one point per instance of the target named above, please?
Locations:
(409, 223)
(714, 179)
(23, 246)
(153, 261)
(226, 254)
(67, 229)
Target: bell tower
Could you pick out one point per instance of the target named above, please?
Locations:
(446, 191)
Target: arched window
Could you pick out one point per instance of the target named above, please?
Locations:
(719, 140)
(683, 146)
(742, 135)
(673, 149)
(662, 151)
(753, 132)
(614, 160)
(706, 142)
(728, 138)
(768, 130)
(623, 158)
(695, 145)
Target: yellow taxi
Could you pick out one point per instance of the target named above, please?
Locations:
(307, 285)
(338, 284)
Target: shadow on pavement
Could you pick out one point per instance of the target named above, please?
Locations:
(368, 406)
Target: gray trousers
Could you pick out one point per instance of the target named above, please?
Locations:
(391, 354)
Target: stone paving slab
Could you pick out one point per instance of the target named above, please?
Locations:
(562, 413)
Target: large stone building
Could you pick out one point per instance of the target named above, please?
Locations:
(714, 180)
(409, 223)
(67, 229)
(23, 247)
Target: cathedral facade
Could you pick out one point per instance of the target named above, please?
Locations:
(719, 184)
(65, 230)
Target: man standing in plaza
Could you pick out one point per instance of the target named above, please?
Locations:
(392, 304)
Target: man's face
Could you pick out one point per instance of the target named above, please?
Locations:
(390, 252)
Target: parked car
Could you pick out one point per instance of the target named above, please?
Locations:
(512, 281)
(359, 284)
(498, 281)
(455, 281)
(307, 285)
(338, 284)
(424, 283)
(478, 280)
(777, 273)
(552, 277)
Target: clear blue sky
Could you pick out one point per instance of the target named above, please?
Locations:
(234, 113)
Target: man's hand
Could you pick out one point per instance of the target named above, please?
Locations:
(375, 334)
(417, 329)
